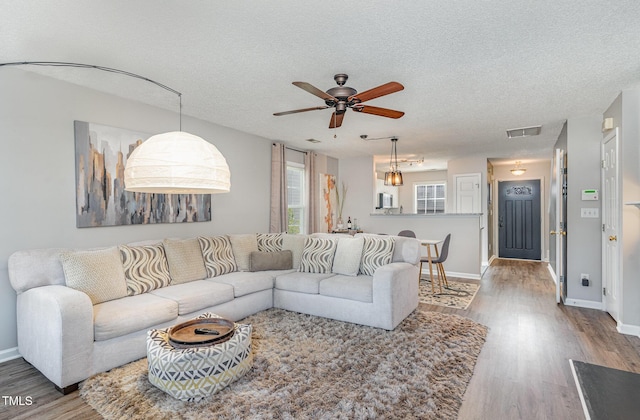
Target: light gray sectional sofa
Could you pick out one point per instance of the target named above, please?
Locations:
(81, 312)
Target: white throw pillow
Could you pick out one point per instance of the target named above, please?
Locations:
(377, 252)
(185, 260)
(348, 255)
(98, 273)
(243, 246)
(218, 255)
(295, 244)
(145, 268)
(317, 256)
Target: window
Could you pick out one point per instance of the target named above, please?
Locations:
(430, 198)
(295, 198)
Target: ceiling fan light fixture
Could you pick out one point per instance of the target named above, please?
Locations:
(393, 177)
(518, 170)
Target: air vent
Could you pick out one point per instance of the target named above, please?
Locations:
(313, 141)
(524, 132)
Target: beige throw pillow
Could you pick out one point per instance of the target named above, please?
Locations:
(348, 255)
(243, 246)
(98, 273)
(262, 261)
(185, 260)
(295, 244)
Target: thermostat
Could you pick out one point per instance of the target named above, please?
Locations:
(589, 195)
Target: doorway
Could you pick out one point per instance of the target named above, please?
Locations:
(519, 219)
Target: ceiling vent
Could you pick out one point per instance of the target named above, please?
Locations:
(524, 132)
(313, 141)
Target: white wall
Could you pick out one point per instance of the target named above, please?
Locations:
(37, 173)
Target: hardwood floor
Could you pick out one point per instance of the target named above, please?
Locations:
(523, 370)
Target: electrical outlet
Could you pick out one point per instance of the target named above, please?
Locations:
(585, 279)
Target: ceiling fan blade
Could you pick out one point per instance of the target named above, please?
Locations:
(376, 92)
(314, 91)
(336, 120)
(295, 111)
(383, 112)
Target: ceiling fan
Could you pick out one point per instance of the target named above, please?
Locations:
(343, 97)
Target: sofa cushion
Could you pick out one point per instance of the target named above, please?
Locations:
(245, 282)
(295, 244)
(317, 256)
(301, 282)
(277, 260)
(98, 273)
(354, 288)
(377, 252)
(269, 242)
(130, 314)
(145, 268)
(196, 295)
(243, 246)
(218, 255)
(185, 260)
(348, 255)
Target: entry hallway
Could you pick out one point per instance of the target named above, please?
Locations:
(523, 371)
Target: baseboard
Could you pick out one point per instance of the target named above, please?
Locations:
(553, 274)
(463, 275)
(580, 303)
(9, 354)
(493, 257)
(628, 329)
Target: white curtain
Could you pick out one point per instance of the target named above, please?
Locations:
(278, 218)
(311, 175)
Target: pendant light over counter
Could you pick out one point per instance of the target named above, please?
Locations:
(170, 163)
(393, 176)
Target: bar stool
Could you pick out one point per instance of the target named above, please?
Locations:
(440, 258)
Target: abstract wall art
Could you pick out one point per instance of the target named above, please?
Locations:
(101, 155)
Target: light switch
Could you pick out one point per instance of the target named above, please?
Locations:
(590, 212)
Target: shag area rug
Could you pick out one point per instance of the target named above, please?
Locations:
(458, 295)
(307, 367)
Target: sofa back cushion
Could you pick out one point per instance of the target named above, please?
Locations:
(378, 251)
(317, 255)
(348, 255)
(218, 255)
(145, 268)
(263, 261)
(243, 246)
(269, 242)
(185, 260)
(98, 273)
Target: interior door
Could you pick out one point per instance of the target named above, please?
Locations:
(519, 219)
(610, 224)
(468, 193)
(560, 228)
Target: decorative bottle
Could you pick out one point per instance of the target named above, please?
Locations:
(349, 224)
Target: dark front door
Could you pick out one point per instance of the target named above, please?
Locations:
(519, 219)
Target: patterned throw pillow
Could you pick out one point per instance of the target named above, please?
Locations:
(98, 273)
(218, 255)
(145, 268)
(376, 253)
(242, 246)
(185, 260)
(317, 256)
(269, 242)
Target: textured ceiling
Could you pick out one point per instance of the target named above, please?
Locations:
(471, 68)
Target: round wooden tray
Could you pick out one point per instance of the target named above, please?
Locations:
(201, 332)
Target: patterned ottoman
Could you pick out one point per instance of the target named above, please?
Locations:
(195, 373)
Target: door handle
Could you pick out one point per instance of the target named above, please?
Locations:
(553, 232)
(613, 238)
(563, 232)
